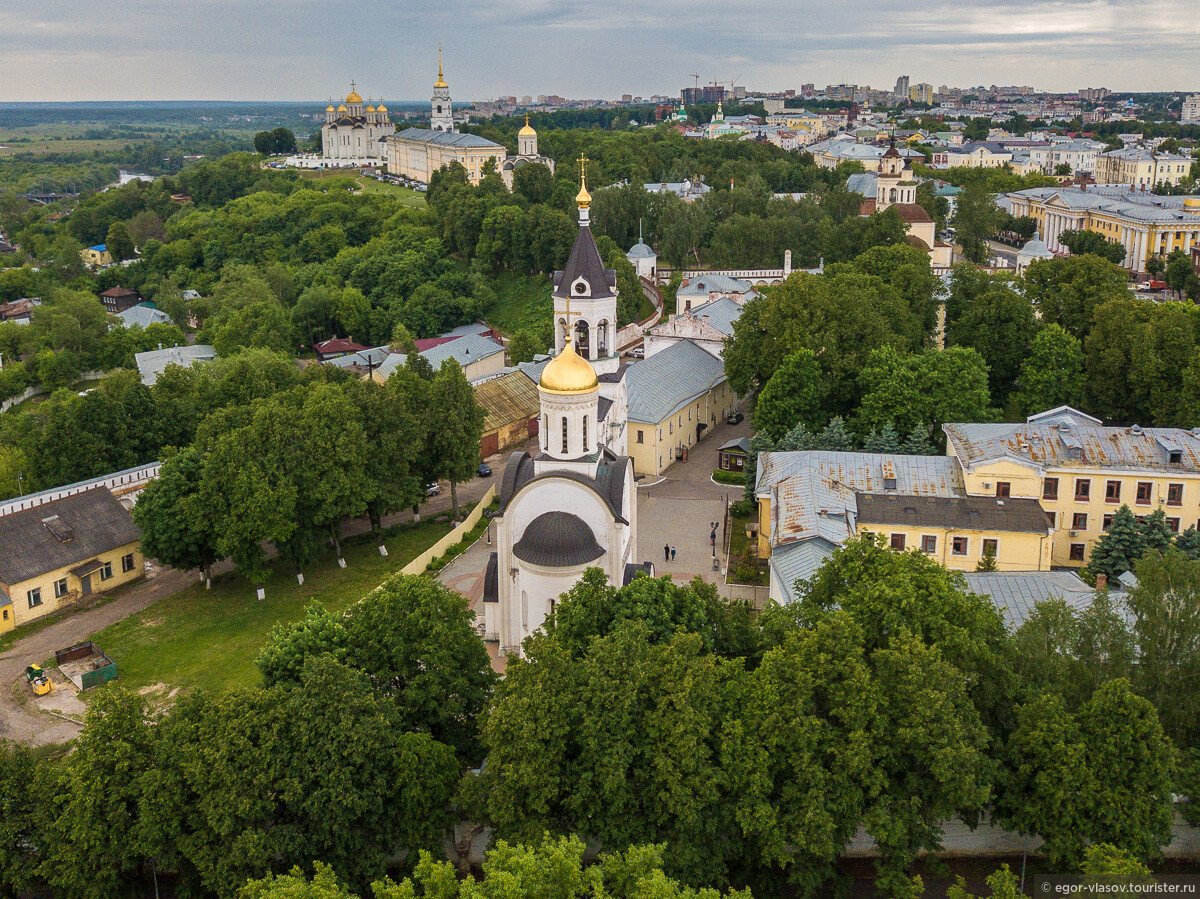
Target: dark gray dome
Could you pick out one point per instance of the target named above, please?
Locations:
(557, 540)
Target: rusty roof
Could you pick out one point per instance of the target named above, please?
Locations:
(1067, 438)
(507, 399)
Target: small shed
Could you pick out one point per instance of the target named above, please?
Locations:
(86, 665)
(732, 454)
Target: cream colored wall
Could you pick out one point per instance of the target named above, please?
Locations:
(661, 439)
(481, 368)
(19, 592)
(1015, 550)
(1096, 507)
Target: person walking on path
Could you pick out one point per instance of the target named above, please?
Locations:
(666, 552)
(672, 554)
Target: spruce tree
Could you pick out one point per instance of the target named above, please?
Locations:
(1188, 543)
(1119, 547)
(1156, 533)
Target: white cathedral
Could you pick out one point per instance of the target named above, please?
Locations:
(574, 504)
(356, 135)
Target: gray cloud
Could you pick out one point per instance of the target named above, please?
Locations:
(306, 49)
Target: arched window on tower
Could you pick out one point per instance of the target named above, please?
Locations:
(564, 435)
(602, 339)
(546, 431)
(892, 196)
(585, 442)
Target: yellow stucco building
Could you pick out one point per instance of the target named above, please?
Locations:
(675, 398)
(95, 257)
(811, 502)
(1145, 224)
(63, 551)
(1081, 471)
(1141, 168)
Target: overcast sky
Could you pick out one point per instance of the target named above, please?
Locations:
(311, 49)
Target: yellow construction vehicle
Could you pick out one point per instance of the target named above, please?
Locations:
(39, 681)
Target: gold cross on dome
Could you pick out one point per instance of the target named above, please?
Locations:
(353, 86)
(583, 161)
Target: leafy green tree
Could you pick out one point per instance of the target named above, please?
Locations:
(976, 219)
(176, 526)
(1067, 291)
(534, 182)
(119, 242)
(553, 867)
(218, 819)
(793, 395)
(1118, 548)
(1166, 613)
(1133, 765)
(523, 346)
(1003, 884)
(1000, 325)
(1047, 787)
(1106, 864)
(923, 390)
(1070, 653)
(1051, 373)
(261, 324)
(22, 812)
(454, 439)
(415, 641)
(96, 809)
(1180, 276)
(1080, 242)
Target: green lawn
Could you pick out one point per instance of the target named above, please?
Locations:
(405, 196)
(523, 301)
(209, 638)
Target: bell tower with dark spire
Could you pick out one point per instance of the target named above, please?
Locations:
(585, 293)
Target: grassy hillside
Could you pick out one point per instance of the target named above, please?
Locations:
(522, 302)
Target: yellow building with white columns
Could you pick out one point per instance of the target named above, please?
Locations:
(1081, 472)
(1145, 224)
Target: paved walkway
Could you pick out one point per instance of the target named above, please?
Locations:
(681, 509)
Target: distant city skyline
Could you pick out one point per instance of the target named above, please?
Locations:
(300, 49)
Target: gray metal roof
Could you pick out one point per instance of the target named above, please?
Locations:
(153, 363)
(796, 561)
(669, 380)
(143, 315)
(557, 540)
(87, 524)
(864, 183)
(959, 512)
(703, 285)
(737, 443)
(1120, 200)
(1067, 438)
(721, 313)
(446, 138)
(1015, 593)
(814, 493)
(640, 251)
(463, 350)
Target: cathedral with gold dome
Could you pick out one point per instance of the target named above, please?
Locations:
(354, 134)
(573, 504)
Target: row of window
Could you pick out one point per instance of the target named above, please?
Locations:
(34, 596)
(959, 546)
(546, 431)
(1143, 494)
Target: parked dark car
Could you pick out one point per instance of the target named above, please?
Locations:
(734, 418)
(485, 470)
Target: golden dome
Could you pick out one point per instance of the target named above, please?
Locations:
(370, 109)
(527, 131)
(341, 107)
(583, 199)
(354, 97)
(568, 372)
(381, 108)
(441, 82)
(329, 108)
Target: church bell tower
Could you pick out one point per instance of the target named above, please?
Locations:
(441, 116)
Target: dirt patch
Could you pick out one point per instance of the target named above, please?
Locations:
(160, 696)
(152, 622)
